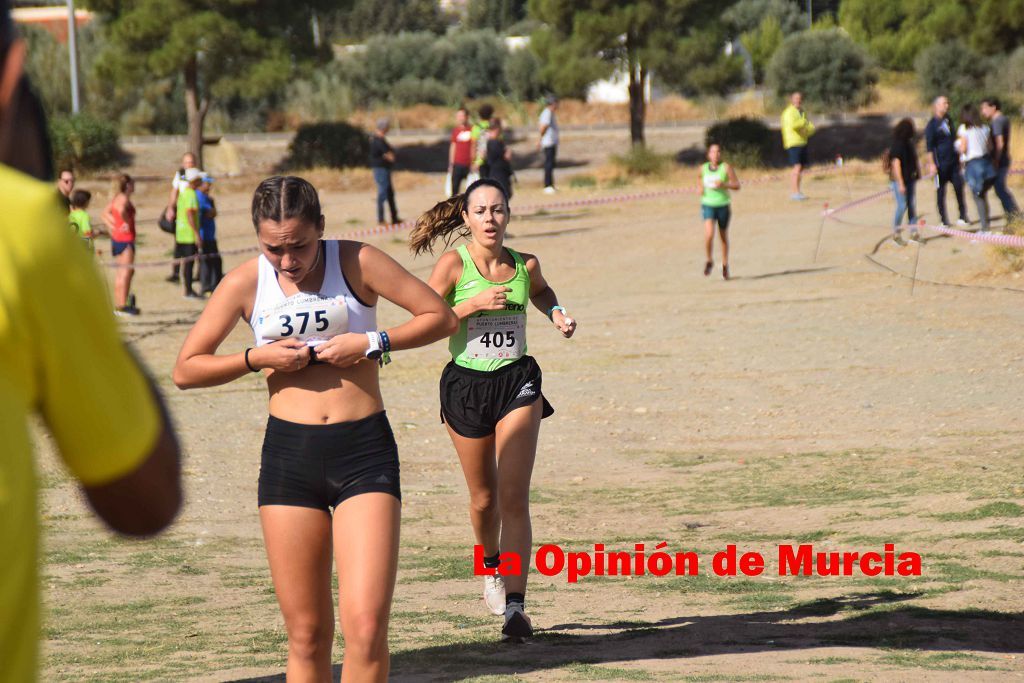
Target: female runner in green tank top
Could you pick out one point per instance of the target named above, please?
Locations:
(491, 399)
(716, 179)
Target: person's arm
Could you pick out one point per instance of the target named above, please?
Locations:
(929, 141)
(199, 365)
(193, 224)
(897, 172)
(107, 216)
(446, 273)
(147, 499)
(451, 153)
(382, 276)
(212, 211)
(734, 181)
(543, 297)
(106, 417)
(999, 145)
(172, 204)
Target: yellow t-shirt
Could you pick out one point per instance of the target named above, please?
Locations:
(61, 357)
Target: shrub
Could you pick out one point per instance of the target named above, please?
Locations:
(522, 73)
(409, 91)
(583, 180)
(951, 69)
(336, 145)
(84, 142)
(826, 66)
(641, 160)
(477, 61)
(745, 141)
(324, 96)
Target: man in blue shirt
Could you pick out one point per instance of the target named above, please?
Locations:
(944, 160)
(211, 269)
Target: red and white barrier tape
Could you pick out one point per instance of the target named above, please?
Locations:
(406, 225)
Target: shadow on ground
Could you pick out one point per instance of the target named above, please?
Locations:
(865, 139)
(871, 620)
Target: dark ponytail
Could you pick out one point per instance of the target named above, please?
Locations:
(445, 219)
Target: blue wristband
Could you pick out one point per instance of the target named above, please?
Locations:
(385, 341)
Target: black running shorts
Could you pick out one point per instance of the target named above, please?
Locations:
(473, 401)
(320, 466)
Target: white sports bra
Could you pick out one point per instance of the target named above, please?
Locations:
(312, 317)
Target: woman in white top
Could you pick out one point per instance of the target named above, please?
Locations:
(329, 480)
(974, 142)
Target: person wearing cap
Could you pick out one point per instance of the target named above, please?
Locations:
(549, 141)
(382, 158)
(187, 241)
(178, 183)
(61, 359)
(211, 268)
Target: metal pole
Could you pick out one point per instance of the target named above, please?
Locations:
(73, 57)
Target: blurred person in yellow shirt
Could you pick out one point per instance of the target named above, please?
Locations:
(61, 357)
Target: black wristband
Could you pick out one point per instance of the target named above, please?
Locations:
(247, 364)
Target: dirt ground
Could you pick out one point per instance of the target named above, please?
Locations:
(815, 398)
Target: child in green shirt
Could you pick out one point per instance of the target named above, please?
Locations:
(79, 217)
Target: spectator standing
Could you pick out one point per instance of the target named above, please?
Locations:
(549, 141)
(990, 109)
(211, 267)
(944, 160)
(479, 135)
(187, 242)
(119, 217)
(178, 183)
(499, 157)
(62, 360)
(460, 151)
(382, 158)
(66, 185)
(904, 171)
(796, 132)
(974, 141)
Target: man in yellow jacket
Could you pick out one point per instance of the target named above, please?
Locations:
(796, 130)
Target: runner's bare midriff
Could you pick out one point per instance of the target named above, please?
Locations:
(323, 394)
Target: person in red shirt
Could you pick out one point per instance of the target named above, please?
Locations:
(460, 151)
(119, 218)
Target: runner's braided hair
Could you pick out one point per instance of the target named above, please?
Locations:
(279, 198)
(445, 219)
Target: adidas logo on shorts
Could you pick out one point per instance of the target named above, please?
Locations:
(527, 390)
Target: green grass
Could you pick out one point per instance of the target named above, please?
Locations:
(583, 671)
(939, 661)
(997, 509)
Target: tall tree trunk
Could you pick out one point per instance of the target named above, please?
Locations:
(637, 80)
(195, 107)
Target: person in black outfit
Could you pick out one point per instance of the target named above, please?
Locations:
(382, 158)
(499, 157)
(940, 136)
(904, 172)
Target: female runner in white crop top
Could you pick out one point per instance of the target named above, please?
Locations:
(328, 446)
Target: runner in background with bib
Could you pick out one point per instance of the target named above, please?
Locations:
(329, 473)
(716, 178)
(491, 396)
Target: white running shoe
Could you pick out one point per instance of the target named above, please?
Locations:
(517, 624)
(961, 222)
(494, 594)
(550, 189)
